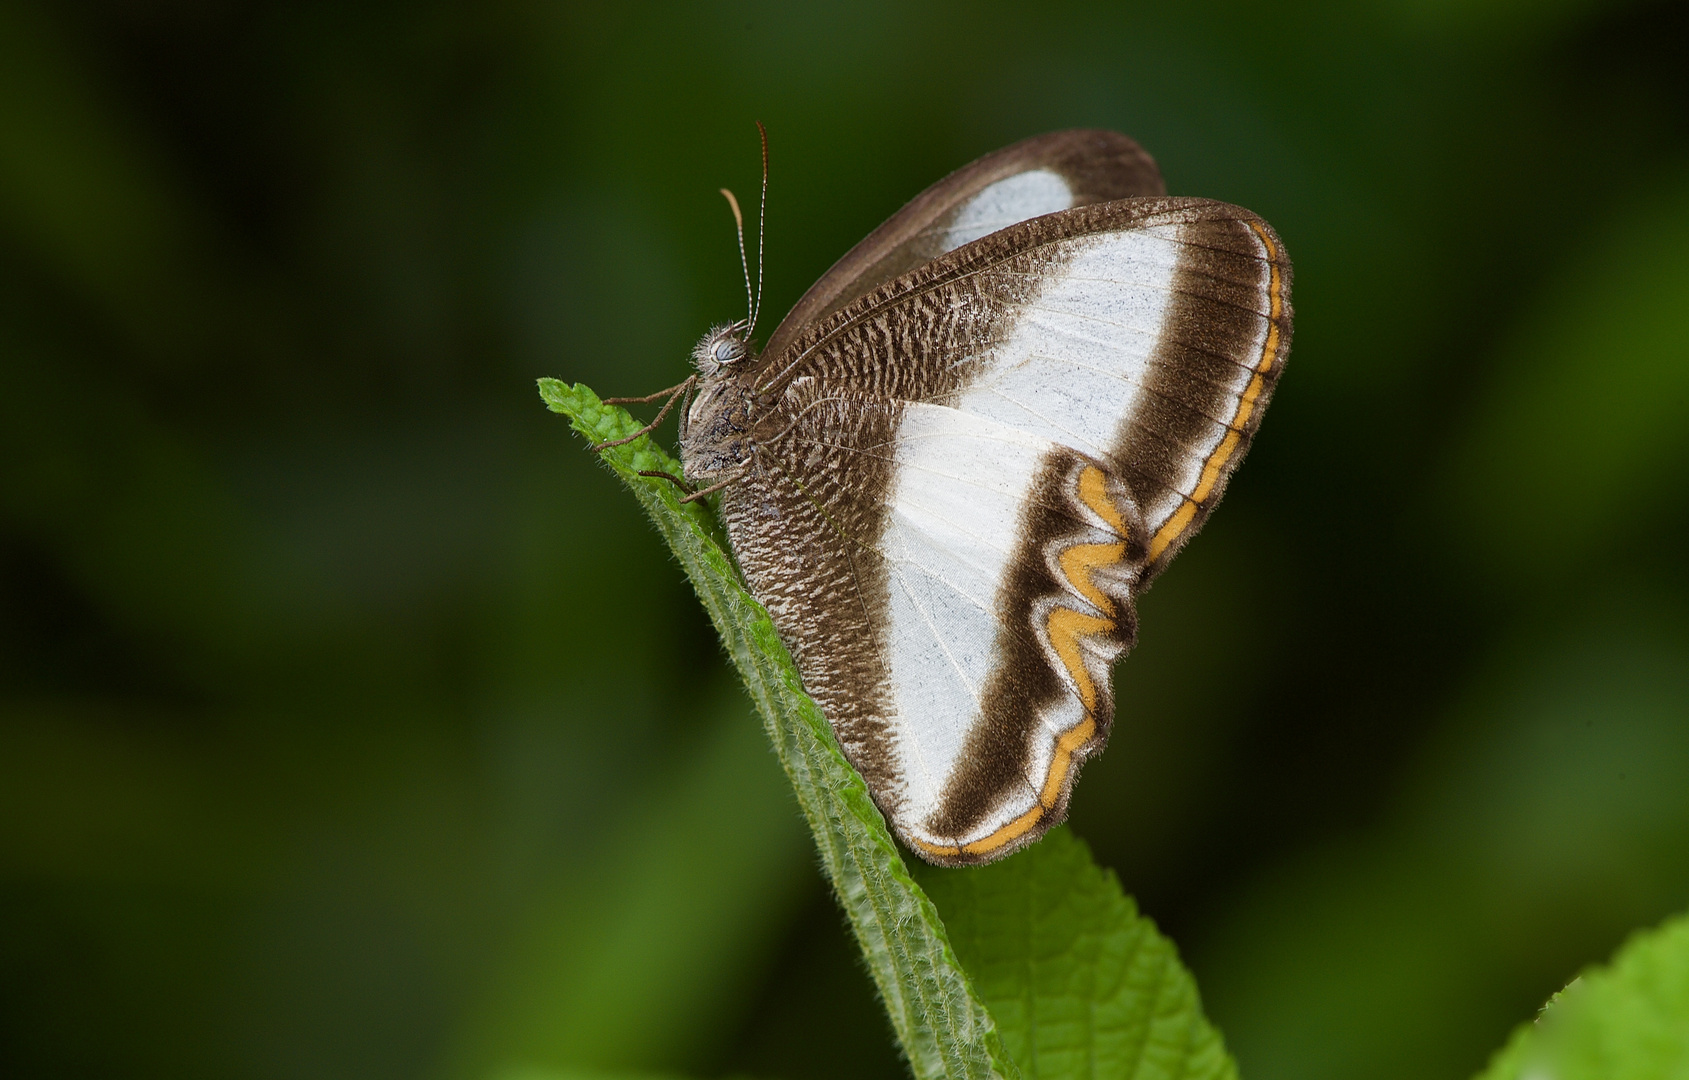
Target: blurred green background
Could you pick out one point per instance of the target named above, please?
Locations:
(323, 748)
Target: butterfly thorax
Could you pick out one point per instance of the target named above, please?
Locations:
(714, 441)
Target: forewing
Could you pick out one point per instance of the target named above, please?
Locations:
(999, 449)
(1036, 176)
(1147, 333)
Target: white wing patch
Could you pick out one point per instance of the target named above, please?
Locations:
(953, 528)
(1078, 355)
(1007, 202)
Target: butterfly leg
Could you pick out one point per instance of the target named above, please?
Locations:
(658, 474)
(650, 397)
(674, 393)
(713, 488)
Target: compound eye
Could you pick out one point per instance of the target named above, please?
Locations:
(726, 351)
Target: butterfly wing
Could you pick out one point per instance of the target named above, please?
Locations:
(965, 475)
(1036, 176)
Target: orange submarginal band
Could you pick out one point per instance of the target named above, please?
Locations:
(1093, 492)
(1078, 561)
(1060, 765)
(1063, 760)
(1216, 463)
(1066, 627)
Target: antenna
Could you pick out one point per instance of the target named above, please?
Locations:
(762, 222)
(744, 264)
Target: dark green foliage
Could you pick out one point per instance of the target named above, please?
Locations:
(349, 712)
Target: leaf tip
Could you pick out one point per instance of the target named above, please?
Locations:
(560, 397)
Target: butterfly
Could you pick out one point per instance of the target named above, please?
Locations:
(968, 448)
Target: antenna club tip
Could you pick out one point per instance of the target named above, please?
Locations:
(734, 203)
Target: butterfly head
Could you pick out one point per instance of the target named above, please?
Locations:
(722, 347)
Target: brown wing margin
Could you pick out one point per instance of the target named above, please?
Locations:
(1218, 321)
(1100, 166)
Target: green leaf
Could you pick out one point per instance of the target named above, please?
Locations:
(1626, 1021)
(1080, 983)
(942, 1023)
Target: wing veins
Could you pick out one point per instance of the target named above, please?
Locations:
(1139, 385)
(1149, 356)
